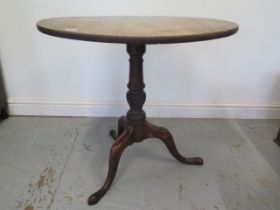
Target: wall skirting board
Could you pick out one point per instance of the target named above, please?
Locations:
(159, 110)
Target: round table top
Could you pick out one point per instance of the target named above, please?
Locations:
(137, 30)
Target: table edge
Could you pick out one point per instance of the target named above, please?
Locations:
(138, 40)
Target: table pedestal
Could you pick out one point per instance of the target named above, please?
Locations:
(134, 127)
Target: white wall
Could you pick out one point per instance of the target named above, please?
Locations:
(235, 77)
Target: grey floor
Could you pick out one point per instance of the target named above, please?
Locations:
(56, 163)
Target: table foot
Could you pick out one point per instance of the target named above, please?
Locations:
(121, 128)
(115, 154)
(153, 131)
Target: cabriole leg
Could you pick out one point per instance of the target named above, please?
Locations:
(115, 154)
(153, 131)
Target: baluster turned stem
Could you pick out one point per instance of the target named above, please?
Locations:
(136, 95)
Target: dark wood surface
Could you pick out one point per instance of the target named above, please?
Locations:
(137, 30)
(134, 128)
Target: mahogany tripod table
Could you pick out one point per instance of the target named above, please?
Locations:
(136, 32)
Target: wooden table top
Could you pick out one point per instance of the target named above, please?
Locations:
(137, 30)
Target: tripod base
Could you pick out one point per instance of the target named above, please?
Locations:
(130, 132)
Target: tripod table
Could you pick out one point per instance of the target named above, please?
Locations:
(136, 33)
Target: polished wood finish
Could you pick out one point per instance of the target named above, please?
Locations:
(134, 127)
(137, 30)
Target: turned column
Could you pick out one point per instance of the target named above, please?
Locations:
(136, 95)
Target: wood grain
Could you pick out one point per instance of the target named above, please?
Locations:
(137, 30)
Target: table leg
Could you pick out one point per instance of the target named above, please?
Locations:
(121, 127)
(153, 131)
(115, 154)
(134, 127)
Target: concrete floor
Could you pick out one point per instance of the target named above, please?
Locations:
(56, 163)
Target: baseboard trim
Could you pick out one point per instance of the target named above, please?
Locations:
(158, 110)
